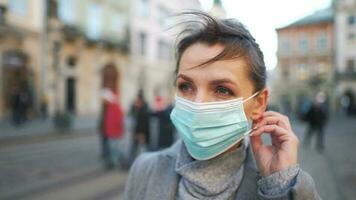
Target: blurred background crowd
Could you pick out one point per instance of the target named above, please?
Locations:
(90, 82)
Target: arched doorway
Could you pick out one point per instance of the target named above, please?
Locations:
(348, 102)
(110, 77)
(18, 91)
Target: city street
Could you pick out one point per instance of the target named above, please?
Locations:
(333, 171)
(70, 167)
(76, 75)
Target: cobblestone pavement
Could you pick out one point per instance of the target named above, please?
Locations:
(334, 170)
(68, 168)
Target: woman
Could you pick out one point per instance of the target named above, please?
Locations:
(221, 95)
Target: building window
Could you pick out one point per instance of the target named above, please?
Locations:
(143, 8)
(303, 45)
(117, 24)
(71, 61)
(94, 23)
(350, 68)
(284, 46)
(164, 50)
(322, 42)
(18, 7)
(2, 14)
(285, 72)
(66, 11)
(351, 20)
(142, 43)
(302, 71)
(163, 16)
(322, 68)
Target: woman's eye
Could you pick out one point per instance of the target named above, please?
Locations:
(185, 87)
(224, 91)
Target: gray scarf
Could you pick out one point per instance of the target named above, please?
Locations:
(217, 178)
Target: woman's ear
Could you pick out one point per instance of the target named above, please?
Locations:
(260, 104)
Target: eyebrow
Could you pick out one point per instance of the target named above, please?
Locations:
(184, 77)
(224, 80)
(213, 82)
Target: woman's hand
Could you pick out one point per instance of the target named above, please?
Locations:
(283, 152)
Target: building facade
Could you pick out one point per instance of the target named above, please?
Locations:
(62, 56)
(305, 59)
(20, 54)
(345, 57)
(85, 37)
(55, 54)
(152, 41)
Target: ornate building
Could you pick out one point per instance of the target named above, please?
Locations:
(305, 59)
(152, 55)
(20, 61)
(345, 54)
(60, 53)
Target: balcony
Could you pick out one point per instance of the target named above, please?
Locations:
(346, 76)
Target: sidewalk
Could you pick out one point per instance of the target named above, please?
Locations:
(62, 168)
(105, 185)
(333, 170)
(39, 164)
(40, 127)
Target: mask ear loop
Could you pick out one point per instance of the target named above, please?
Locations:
(248, 133)
(255, 94)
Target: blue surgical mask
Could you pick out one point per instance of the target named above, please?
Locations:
(209, 129)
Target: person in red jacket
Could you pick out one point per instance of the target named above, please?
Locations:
(112, 128)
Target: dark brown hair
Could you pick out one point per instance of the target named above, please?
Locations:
(236, 39)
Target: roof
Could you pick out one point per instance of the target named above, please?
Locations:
(319, 16)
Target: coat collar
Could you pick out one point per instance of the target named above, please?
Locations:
(166, 176)
(169, 179)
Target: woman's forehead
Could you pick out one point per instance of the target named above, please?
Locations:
(199, 53)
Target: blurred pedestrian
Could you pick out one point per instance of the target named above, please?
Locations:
(348, 103)
(20, 104)
(44, 107)
(316, 118)
(112, 125)
(140, 113)
(165, 126)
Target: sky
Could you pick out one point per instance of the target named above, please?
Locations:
(262, 17)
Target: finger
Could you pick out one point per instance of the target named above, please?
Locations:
(256, 143)
(283, 118)
(275, 142)
(278, 134)
(256, 122)
(273, 113)
(274, 120)
(270, 129)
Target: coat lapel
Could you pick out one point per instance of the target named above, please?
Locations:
(165, 182)
(248, 187)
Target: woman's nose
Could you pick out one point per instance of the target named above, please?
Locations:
(201, 97)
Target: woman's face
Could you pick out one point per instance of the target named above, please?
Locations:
(217, 81)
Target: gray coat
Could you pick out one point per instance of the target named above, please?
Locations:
(153, 177)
